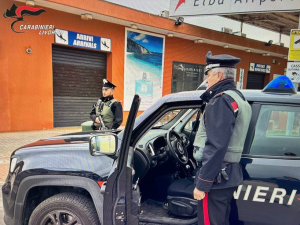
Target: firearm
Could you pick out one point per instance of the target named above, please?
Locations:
(103, 127)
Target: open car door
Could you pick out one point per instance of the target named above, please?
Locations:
(117, 205)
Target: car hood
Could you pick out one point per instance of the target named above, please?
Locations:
(63, 153)
(65, 139)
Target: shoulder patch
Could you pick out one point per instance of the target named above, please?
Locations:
(234, 106)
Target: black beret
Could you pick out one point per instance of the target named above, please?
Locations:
(107, 84)
(222, 60)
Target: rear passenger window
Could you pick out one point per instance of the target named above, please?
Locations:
(283, 123)
(277, 131)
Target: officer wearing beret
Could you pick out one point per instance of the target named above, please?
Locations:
(220, 140)
(107, 109)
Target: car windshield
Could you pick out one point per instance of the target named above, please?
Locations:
(167, 118)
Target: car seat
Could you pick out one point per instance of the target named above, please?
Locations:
(180, 198)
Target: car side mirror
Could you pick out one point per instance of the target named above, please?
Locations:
(103, 144)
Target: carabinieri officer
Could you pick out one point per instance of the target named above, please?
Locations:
(220, 140)
(108, 108)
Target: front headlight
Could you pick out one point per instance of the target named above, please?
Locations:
(13, 164)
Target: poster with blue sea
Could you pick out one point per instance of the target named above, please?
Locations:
(144, 60)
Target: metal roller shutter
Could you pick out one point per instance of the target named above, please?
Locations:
(255, 81)
(77, 83)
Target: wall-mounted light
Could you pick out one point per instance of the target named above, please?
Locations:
(86, 16)
(170, 35)
(133, 26)
(28, 49)
(226, 46)
(275, 62)
(164, 13)
(30, 2)
(267, 54)
(248, 50)
(198, 41)
(179, 21)
(269, 43)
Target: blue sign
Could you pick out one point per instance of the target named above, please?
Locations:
(82, 40)
(257, 67)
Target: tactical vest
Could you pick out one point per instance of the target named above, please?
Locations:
(237, 141)
(106, 113)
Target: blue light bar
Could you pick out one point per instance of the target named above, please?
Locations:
(281, 85)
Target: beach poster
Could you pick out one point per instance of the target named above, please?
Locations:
(144, 59)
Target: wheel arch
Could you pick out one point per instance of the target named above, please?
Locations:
(60, 181)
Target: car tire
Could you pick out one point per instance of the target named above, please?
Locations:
(66, 208)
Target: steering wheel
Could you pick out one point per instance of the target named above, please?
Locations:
(177, 147)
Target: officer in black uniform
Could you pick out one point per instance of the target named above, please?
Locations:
(220, 140)
(107, 111)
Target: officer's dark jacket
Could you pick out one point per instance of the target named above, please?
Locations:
(219, 119)
(116, 109)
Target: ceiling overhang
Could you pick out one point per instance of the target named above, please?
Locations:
(281, 22)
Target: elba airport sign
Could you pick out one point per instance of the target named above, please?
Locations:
(223, 7)
(81, 40)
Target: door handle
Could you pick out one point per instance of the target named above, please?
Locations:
(290, 154)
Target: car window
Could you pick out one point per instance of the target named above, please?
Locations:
(168, 117)
(283, 123)
(189, 125)
(277, 131)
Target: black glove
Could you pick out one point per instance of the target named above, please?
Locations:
(221, 174)
(93, 117)
(224, 174)
(218, 178)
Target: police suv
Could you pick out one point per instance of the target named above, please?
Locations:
(144, 174)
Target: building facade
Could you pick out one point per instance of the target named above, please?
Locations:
(46, 83)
